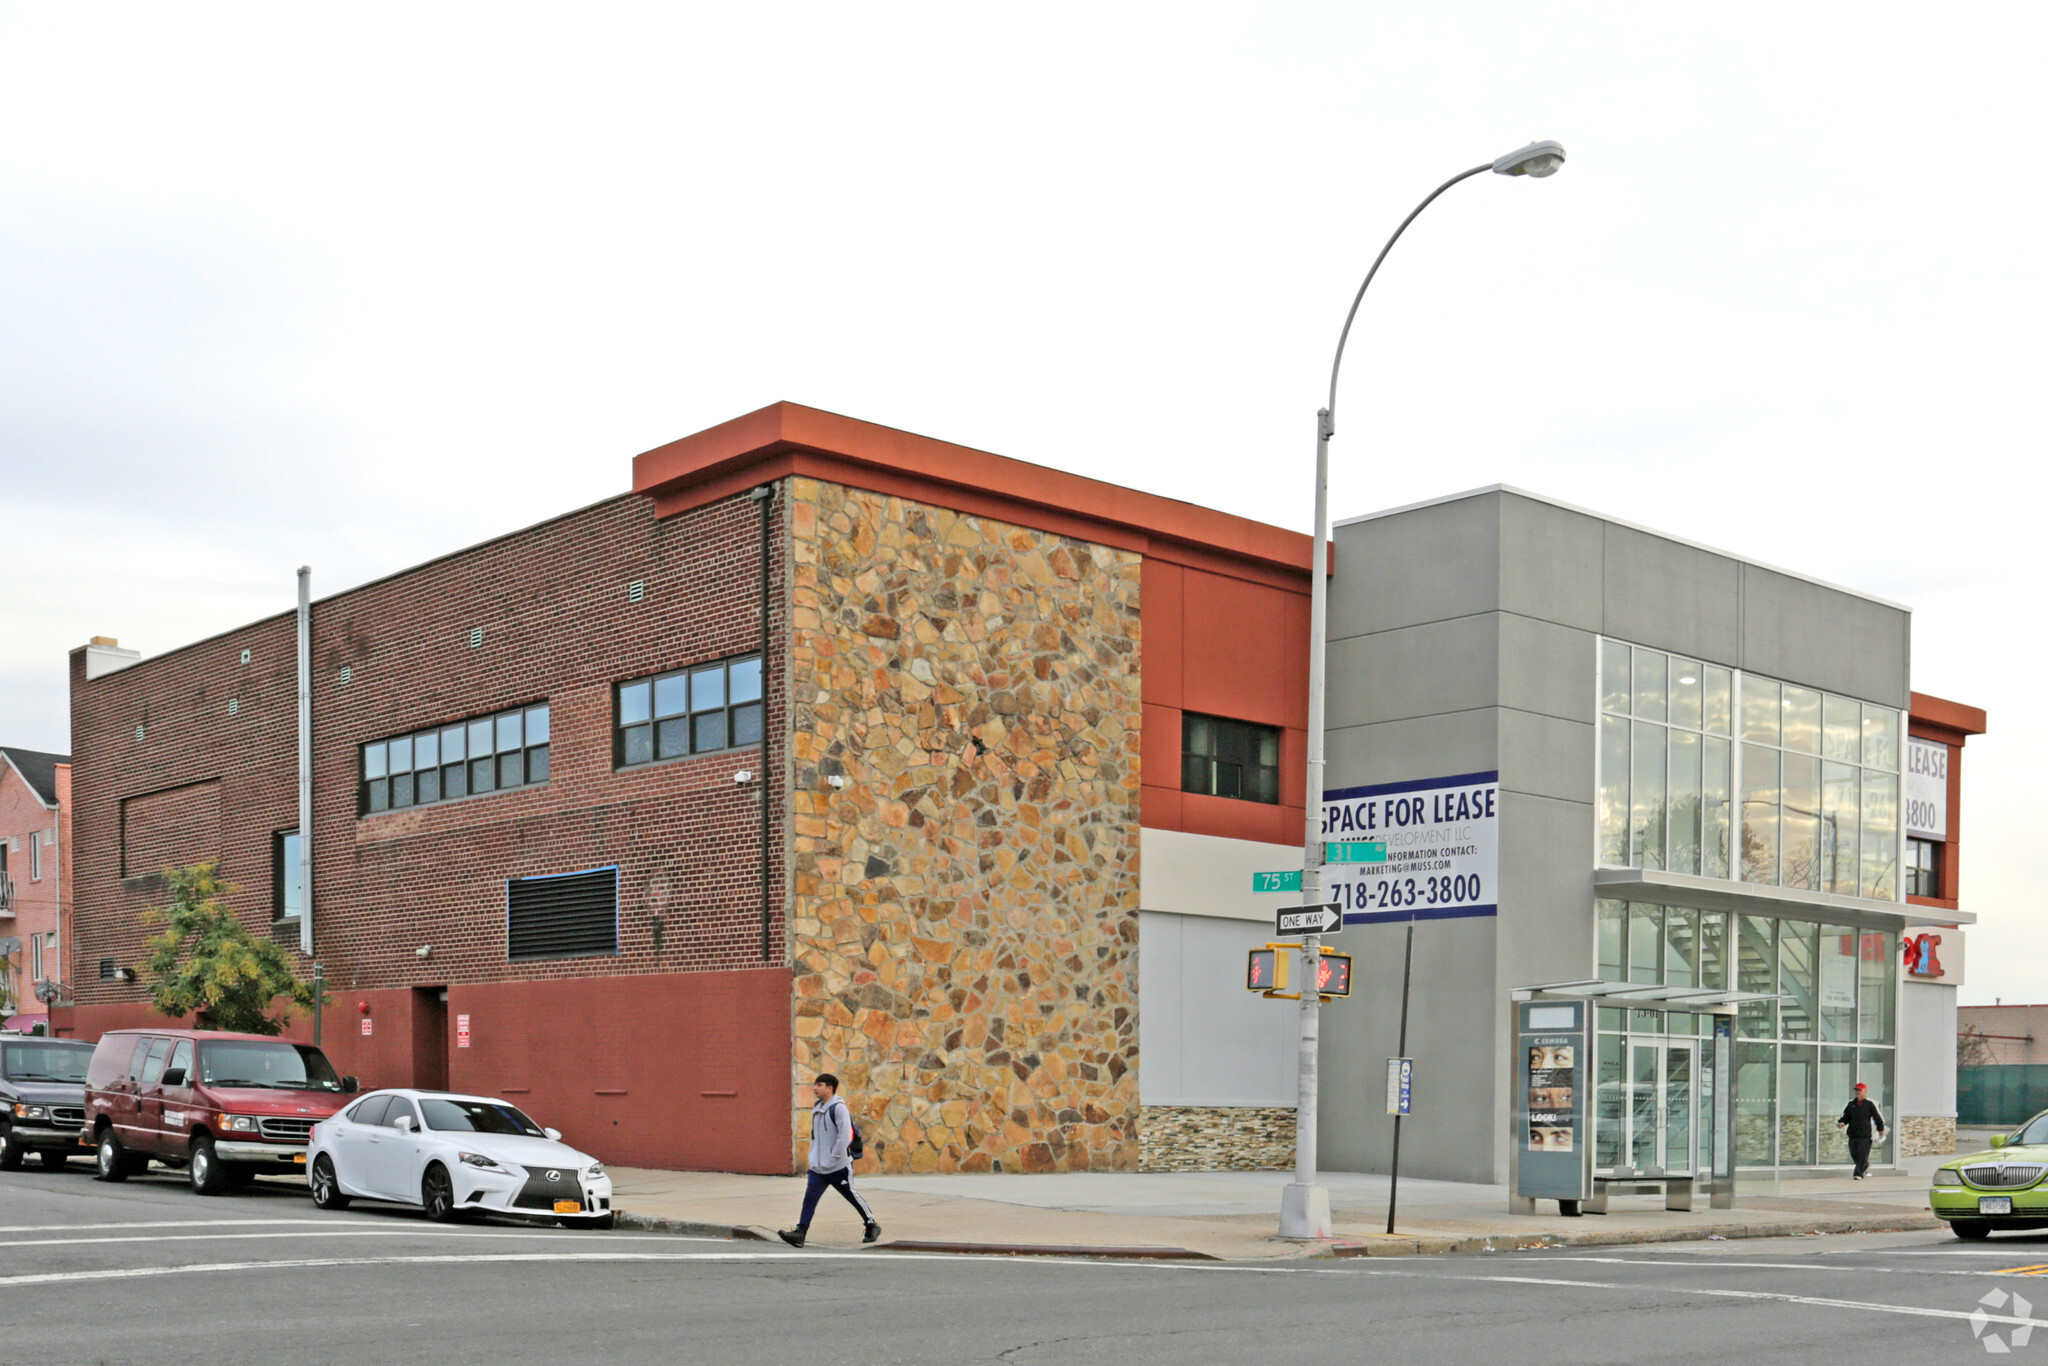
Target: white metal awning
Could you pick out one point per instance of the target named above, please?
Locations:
(1649, 996)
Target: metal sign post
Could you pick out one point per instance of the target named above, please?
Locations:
(1394, 1184)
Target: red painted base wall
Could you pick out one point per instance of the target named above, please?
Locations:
(688, 1072)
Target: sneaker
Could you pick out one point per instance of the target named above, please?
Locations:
(873, 1232)
(793, 1236)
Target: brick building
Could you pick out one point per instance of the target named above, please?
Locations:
(826, 747)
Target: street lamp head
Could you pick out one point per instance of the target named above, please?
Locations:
(1538, 159)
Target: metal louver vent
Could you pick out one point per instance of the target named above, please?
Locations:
(107, 973)
(476, 637)
(573, 915)
(636, 590)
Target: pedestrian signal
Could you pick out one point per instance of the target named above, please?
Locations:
(1266, 970)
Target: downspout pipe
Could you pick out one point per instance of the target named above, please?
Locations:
(765, 497)
(305, 652)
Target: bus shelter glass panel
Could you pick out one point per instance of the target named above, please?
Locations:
(1756, 1103)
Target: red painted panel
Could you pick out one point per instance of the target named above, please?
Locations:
(1237, 820)
(687, 1072)
(1162, 589)
(1159, 807)
(1240, 657)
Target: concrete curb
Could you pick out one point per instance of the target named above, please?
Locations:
(1425, 1246)
(691, 1228)
(1162, 1254)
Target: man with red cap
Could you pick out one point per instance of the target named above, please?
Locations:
(1859, 1118)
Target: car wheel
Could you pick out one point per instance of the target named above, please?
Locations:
(110, 1163)
(54, 1158)
(437, 1195)
(205, 1169)
(1971, 1230)
(10, 1150)
(326, 1187)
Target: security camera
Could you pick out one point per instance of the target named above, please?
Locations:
(424, 951)
(745, 775)
(836, 780)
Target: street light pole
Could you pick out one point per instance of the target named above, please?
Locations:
(1305, 1203)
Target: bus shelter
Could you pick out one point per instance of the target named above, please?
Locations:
(1598, 1113)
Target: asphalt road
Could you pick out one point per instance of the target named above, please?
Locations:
(147, 1272)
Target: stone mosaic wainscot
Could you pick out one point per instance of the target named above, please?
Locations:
(1926, 1135)
(964, 911)
(1210, 1138)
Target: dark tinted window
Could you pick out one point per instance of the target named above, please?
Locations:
(150, 1065)
(401, 1108)
(110, 1060)
(45, 1061)
(490, 753)
(691, 711)
(479, 1117)
(281, 1066)
(370, 1111)
(1222, 758)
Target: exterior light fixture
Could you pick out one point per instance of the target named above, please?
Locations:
(745, 775)
(836, 781)
(1538, 159)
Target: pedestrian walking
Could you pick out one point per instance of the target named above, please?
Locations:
(1859, 1118)
(831, 1162)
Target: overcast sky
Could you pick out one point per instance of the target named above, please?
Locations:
(354, 287)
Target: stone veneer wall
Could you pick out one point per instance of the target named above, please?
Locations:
(1926, 1135)
(1215, 1138)
(964, 913)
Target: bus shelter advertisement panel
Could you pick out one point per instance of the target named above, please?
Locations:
(1442, 837)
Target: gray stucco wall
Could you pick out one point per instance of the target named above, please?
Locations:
(1202, 1038)
(1464, 638)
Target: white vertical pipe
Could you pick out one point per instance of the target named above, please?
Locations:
(305, 760)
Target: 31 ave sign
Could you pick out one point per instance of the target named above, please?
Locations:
(1324, 919)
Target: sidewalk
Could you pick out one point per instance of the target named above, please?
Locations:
(1234, 1215)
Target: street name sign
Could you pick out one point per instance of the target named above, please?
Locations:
(1324, 919)
(1355, 851)
(1288, 881)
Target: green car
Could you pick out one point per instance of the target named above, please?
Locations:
(2000, 1188)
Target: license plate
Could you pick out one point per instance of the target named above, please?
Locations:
(1994, 1204)
(575, 1207)
(299, 1158)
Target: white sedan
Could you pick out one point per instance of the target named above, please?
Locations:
(455, 1157)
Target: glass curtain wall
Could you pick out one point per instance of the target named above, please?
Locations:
(1797, 1060)
(1718, 773)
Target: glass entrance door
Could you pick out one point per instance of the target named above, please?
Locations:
(1662, 1109)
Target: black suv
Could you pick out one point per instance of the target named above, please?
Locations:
(42, 1098)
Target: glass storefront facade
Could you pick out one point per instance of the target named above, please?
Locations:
(1725, 774)
(1796, 1060)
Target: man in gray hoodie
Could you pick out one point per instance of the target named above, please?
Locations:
(830, 1163)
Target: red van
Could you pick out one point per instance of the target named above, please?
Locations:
(223, 1106)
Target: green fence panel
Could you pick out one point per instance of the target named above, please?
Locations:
(2002, 1095)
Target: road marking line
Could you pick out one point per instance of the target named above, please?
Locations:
(1796, 1266)
(161, 1223)
(2038, 1269)
(137, 1273)
(358, 1232)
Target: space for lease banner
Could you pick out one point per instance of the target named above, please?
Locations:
(1443, 849)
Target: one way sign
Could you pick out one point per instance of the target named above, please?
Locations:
(1324, 919)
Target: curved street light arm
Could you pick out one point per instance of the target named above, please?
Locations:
(1330, 422)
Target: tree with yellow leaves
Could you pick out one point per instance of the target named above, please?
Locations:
(207, 963)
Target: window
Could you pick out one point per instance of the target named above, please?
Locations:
(569, 915)
(1923, 868)
(288, 896)
(35, 857)
(181, 1062)
(401, 1108)
(1220, 758)
(371, 1111)
(688, 711)
(1724, 774)
(35, 955)
(504, 750)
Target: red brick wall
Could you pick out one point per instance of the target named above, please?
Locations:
(552, 602)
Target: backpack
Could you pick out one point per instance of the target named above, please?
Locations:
(857, 1146)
